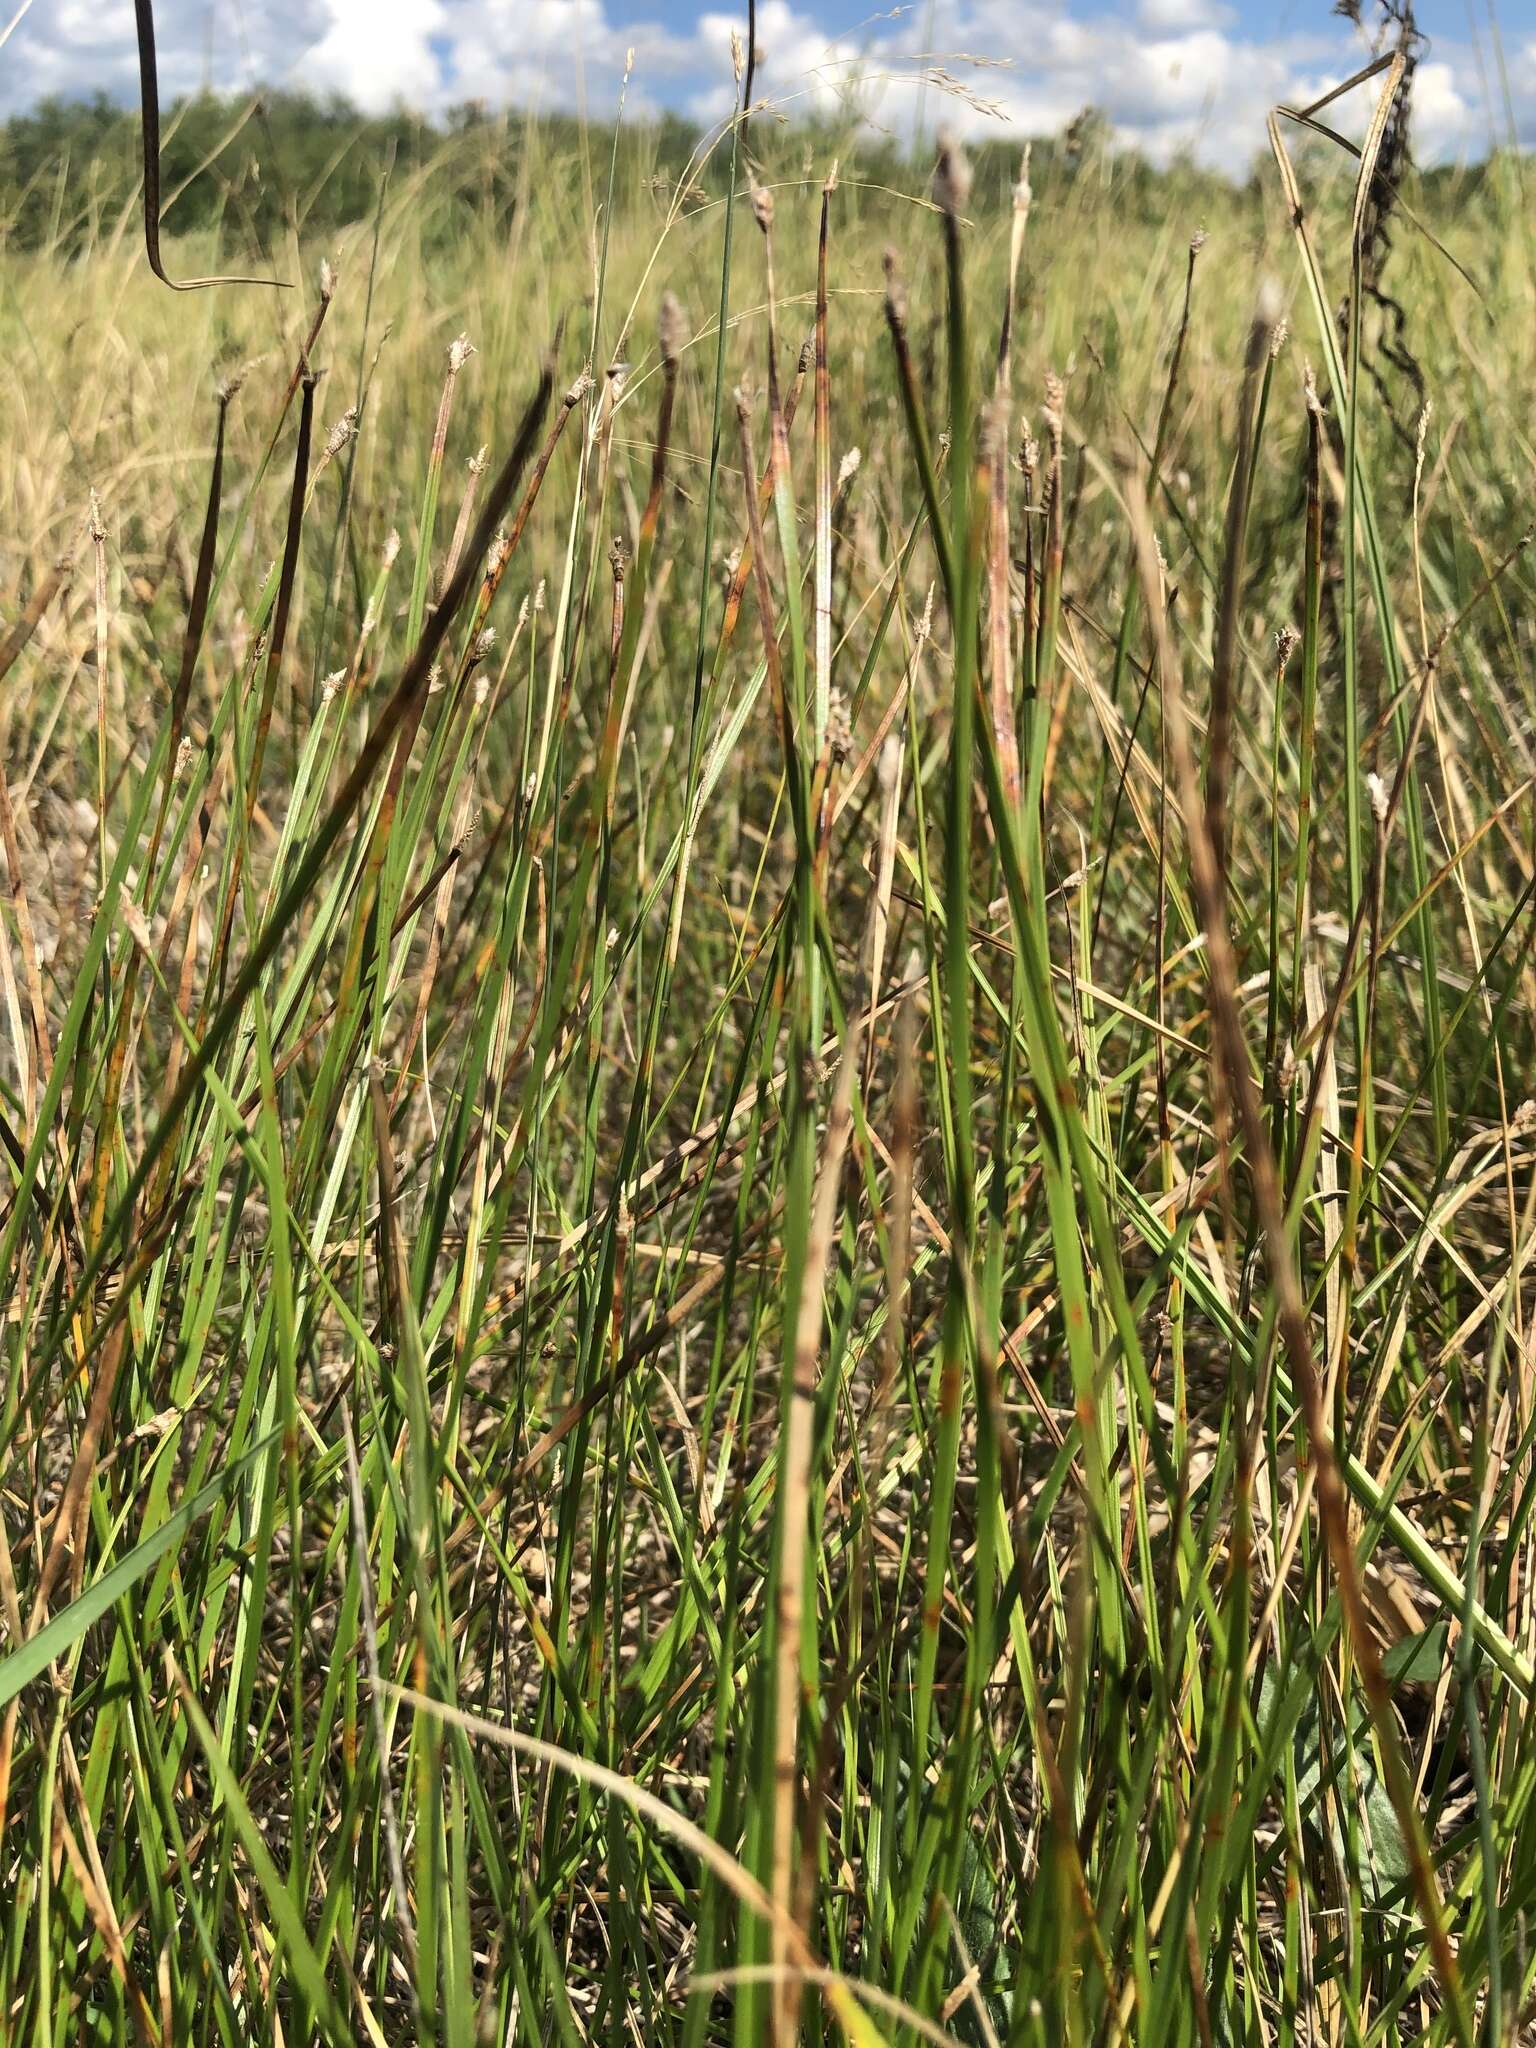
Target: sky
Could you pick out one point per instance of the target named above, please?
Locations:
(1170, 75)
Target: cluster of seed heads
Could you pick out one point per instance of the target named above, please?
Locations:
(340, 434)
(839, 726)
(1023, 197)
(671, 328)
(895, 291)
(951, 178)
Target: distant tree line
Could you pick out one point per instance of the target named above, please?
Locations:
(257, 170)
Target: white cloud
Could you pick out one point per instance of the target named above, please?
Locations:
(377, 51)
(1444, 124)
(1173, 75)
(1171, 16)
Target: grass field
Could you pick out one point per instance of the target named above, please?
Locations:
(766, 1062)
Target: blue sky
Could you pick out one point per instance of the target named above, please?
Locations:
(1170, 74)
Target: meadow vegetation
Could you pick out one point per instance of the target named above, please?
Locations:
(766, 1086)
